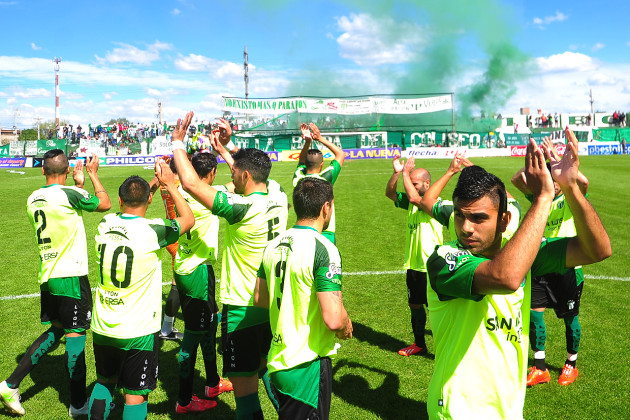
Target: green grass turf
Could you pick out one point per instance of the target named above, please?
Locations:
(370, 379)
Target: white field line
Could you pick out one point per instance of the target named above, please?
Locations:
(358, 273)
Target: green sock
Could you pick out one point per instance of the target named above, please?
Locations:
(267, 382)
(100, 400)
(573, 333)
(187, 359)
(537, 331)
(135, 412)
(248, 407)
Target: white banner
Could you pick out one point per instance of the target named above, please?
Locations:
(161, 145)
(371, 105)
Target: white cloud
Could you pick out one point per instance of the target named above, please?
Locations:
(598, 46)
(601, 79)
(370, 41)
(126, 53)
(567, 61)
(558, 17)
(175, 12)
(217, 68)
(11, 101)
(35, 47)
(109, 95)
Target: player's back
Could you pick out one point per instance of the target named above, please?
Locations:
(129, 295)
(55, 212)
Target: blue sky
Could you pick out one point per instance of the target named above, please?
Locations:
(119, 58)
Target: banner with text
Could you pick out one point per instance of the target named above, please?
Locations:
(341, 106)
(12, 162)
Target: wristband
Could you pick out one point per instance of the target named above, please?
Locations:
(230, 146)
(178, 145)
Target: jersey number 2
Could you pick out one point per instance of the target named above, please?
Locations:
(280, 272)
(39, 214)
(128, 265)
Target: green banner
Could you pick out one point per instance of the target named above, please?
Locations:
(447, 139)
(45, 145)
(4, 150)
(611, 134)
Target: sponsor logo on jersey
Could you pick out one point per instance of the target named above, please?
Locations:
(117, 233)
(333, 270)
(512, 327)
(453, 259)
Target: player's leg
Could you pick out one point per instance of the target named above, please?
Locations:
(538, 373)
(569, 307)
(241, 348)
(108, 360)
(170, 312)
(139, 377)
(417, 297)
(9, 389)
(75, 315)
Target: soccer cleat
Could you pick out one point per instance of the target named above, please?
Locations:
(568, 375)
(11, 398)
(196, 405)
(214, 391)
(537, 376)
(173, 335)
(83, 411)
(411, 350)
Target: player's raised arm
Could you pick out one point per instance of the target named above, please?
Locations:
(431, 196)
(391, 189)
(91, 166)
(506, 271)
(307, 137)
(225, 136)
(201, 191)
(410, 189)
(337, 151)
(220, 149)
(592, 243)
(164, 174)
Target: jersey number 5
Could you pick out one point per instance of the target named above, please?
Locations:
(115, 256)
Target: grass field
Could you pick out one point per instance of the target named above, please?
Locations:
(370, 379)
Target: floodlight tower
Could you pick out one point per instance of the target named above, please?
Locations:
(57, 61)
(246, 66)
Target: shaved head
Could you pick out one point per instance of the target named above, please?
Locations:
(421, 179)
(55, 162)
(314, 159)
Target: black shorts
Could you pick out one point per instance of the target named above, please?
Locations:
(558, 291)
(199, 314)
(416, 287)
(291, 408)
(244, 348)
(74, 314)
(136, 370)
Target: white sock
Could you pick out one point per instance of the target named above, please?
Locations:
(167, 325)
(540, 354)
(571, 357)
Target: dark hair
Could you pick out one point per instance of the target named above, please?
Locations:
(255, 161)
(134, 191)
(55, 162)
(314, 158)
(172, 166)
(309, 197)
(475, 183)
(203, 163)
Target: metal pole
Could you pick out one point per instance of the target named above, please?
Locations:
(57, 61)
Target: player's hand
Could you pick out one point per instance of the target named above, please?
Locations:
(314, 131)
(457, 162)
(181, 128)
(91, 163)
(549, 149)
(409, 165)
(225, 131)
(346, 332)
(77, 174)
(306, 132)
(215, 142)
(397, 164)
(163, 173)
(538, 177)
(565, 171)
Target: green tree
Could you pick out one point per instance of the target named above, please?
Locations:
(28, 134)
(118, 120)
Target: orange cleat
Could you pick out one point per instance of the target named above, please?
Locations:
(411, 350)
(196, 405)
(537, 376)
(568, 375)
(223, 386)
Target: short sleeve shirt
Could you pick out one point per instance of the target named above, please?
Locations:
(481, 341)
(329, 174)
(297, 265)
(128, 301)
(423, 234)
(253, 221)
(56, 214)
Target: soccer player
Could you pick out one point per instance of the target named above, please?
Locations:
(128, 305)
(562, 291)
(255, 213)
(311, 164)
(299, 282)
(195, 279)
(423, 233)
(479, 294)
(55, 211)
